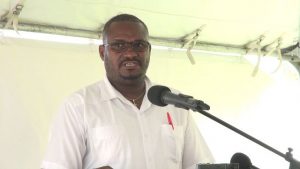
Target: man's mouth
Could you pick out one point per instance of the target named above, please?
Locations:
(130, 64)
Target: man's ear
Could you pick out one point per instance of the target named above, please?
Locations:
(101, 51)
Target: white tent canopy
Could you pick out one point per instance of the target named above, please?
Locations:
(37, 75)
(231, 24)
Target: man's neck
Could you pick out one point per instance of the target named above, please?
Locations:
(134, 91)
(131, 89)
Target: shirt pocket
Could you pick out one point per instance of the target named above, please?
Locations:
(172, 142)
(108, 144)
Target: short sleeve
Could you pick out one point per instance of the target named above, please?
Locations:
(66, 147)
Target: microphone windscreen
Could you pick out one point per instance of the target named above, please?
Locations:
(242, 159)
(155, 94)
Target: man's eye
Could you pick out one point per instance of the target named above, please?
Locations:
(140, 45)
(118, 45)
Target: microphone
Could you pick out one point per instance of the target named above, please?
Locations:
(243, 161)
(162, 96)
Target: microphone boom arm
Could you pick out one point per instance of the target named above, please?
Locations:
(294, 164)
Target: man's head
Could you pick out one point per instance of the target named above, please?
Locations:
(120, 18)
(125, 50)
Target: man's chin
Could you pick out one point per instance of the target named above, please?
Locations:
(132, 77)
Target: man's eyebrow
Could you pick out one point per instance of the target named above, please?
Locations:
(122, 40)
(118, 40)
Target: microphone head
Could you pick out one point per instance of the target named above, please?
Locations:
(242, 159)
(155, 94)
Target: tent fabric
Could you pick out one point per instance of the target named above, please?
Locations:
(227, 23)
(37, 75)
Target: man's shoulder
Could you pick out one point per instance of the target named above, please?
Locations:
(91, 88)
(87, 94)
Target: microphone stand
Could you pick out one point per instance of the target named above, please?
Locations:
(200, 106)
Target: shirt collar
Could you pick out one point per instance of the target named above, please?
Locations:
(109, 92)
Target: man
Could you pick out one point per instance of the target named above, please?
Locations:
(111, 124)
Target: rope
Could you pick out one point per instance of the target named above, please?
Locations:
(13, 16)
(256, 45)
(192, 43)
(280, 60)
(278, 50)
(258, 61)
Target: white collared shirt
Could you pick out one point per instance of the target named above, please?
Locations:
(97, 126)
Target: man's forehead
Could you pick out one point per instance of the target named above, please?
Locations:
(125, 24)
(127, 29)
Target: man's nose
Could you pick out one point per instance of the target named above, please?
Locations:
(130, 52)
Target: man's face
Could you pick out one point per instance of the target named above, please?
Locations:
(125, 62)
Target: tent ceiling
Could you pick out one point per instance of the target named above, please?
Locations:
(230, 23)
